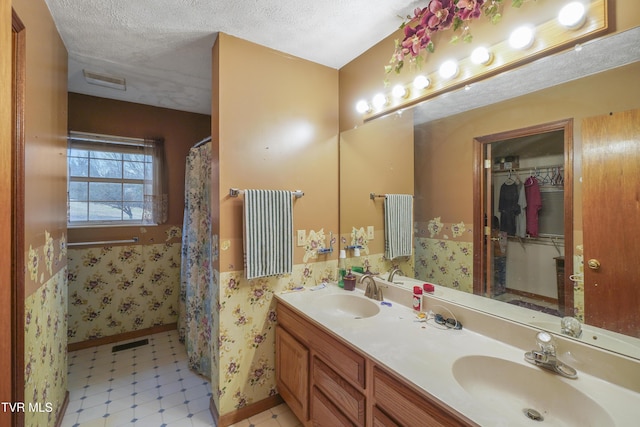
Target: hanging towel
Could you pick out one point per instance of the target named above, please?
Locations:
(398, 225)
(268, 233)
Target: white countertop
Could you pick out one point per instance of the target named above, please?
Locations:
(424, 354)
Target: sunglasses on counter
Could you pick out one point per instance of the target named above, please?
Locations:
(448, 322)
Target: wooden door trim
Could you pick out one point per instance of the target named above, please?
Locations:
(17, 207)
(479, 180)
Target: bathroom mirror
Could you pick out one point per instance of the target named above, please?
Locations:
(436, 140)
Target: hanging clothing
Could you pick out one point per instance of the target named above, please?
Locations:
(534, 204)
(196, 276)
(508, 207)
(521, 218)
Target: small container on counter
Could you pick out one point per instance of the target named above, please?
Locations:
(417, 298)
(349, 281)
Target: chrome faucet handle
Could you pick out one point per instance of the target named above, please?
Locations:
(571, 326)
(546, 343)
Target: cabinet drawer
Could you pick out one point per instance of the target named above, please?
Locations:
(324, 413)
(380, 419)
(401, 403)
(349, 364)
(340, 392)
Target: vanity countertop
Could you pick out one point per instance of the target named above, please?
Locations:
(424, 354)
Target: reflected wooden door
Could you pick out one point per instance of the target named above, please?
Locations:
(611, 219)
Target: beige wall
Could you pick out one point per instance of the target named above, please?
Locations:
(45, 129)
(376, 157)
(278, 129)
(45, 211)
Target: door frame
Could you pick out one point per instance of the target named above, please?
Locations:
(18, 42)
(480, 257)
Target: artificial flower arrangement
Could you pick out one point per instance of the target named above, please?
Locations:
(440, 15)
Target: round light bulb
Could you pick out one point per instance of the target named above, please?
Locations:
(421, 82)
(379, 101)
(400, 91)
(573, 15)
(521, 38)
(363, 107)
(481, 56)
(448, 69)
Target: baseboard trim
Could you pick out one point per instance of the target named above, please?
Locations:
(63, 409)
(243, 413)
(121, 337)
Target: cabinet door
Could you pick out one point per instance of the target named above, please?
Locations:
(292, 373)
(324, 413)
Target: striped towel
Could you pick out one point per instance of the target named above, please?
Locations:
(268, 233)
(398, 225)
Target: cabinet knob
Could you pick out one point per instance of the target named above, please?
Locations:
(593, 264)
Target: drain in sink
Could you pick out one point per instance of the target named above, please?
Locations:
(533, 414)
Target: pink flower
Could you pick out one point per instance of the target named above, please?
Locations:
(470, 9)
(440, 15)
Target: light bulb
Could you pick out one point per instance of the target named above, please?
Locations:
(421, 82)
(448, 69)
(363, 107)
(521, 38)
(481, 56)
(379, 101)
(399, 91)
(572, 15)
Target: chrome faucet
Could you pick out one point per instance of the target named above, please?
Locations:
(372, 291)
(394, 271)
(545, 356)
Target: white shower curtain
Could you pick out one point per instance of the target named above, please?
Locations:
(194, 320)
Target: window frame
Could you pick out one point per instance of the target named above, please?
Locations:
(116, 144)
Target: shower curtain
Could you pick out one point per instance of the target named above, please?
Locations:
(194, 320)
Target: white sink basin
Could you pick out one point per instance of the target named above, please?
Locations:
(512, 389)
(348, 306)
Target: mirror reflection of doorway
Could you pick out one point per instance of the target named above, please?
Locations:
(524, 198)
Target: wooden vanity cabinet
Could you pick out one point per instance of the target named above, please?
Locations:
(327, 383)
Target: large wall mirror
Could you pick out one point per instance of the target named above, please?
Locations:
(428, 151)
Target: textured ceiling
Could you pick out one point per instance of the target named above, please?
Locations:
(163, 47)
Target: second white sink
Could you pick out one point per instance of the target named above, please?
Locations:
(523, 392)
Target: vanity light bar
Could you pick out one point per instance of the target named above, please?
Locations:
(572, 16)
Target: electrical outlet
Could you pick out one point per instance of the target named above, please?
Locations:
(302, 237)
(370, 232)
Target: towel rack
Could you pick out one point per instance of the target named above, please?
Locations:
(373, 196)
(104, 242)
(235, 192)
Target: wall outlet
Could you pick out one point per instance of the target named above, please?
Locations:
(370, 234)
(302, 237)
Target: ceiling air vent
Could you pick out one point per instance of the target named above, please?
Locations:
(104, 80)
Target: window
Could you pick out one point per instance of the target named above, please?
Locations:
(114, 180)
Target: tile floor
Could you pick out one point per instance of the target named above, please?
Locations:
(146, 386)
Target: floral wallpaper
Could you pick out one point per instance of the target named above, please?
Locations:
(45, 342)
(117, 289)
(244, 352)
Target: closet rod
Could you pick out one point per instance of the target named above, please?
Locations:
(235, 192)
(204, 141)
(529, 168)
(104, 242)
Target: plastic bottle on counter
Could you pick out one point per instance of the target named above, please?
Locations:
(342, 267)
(417, 298)
(357, 266)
